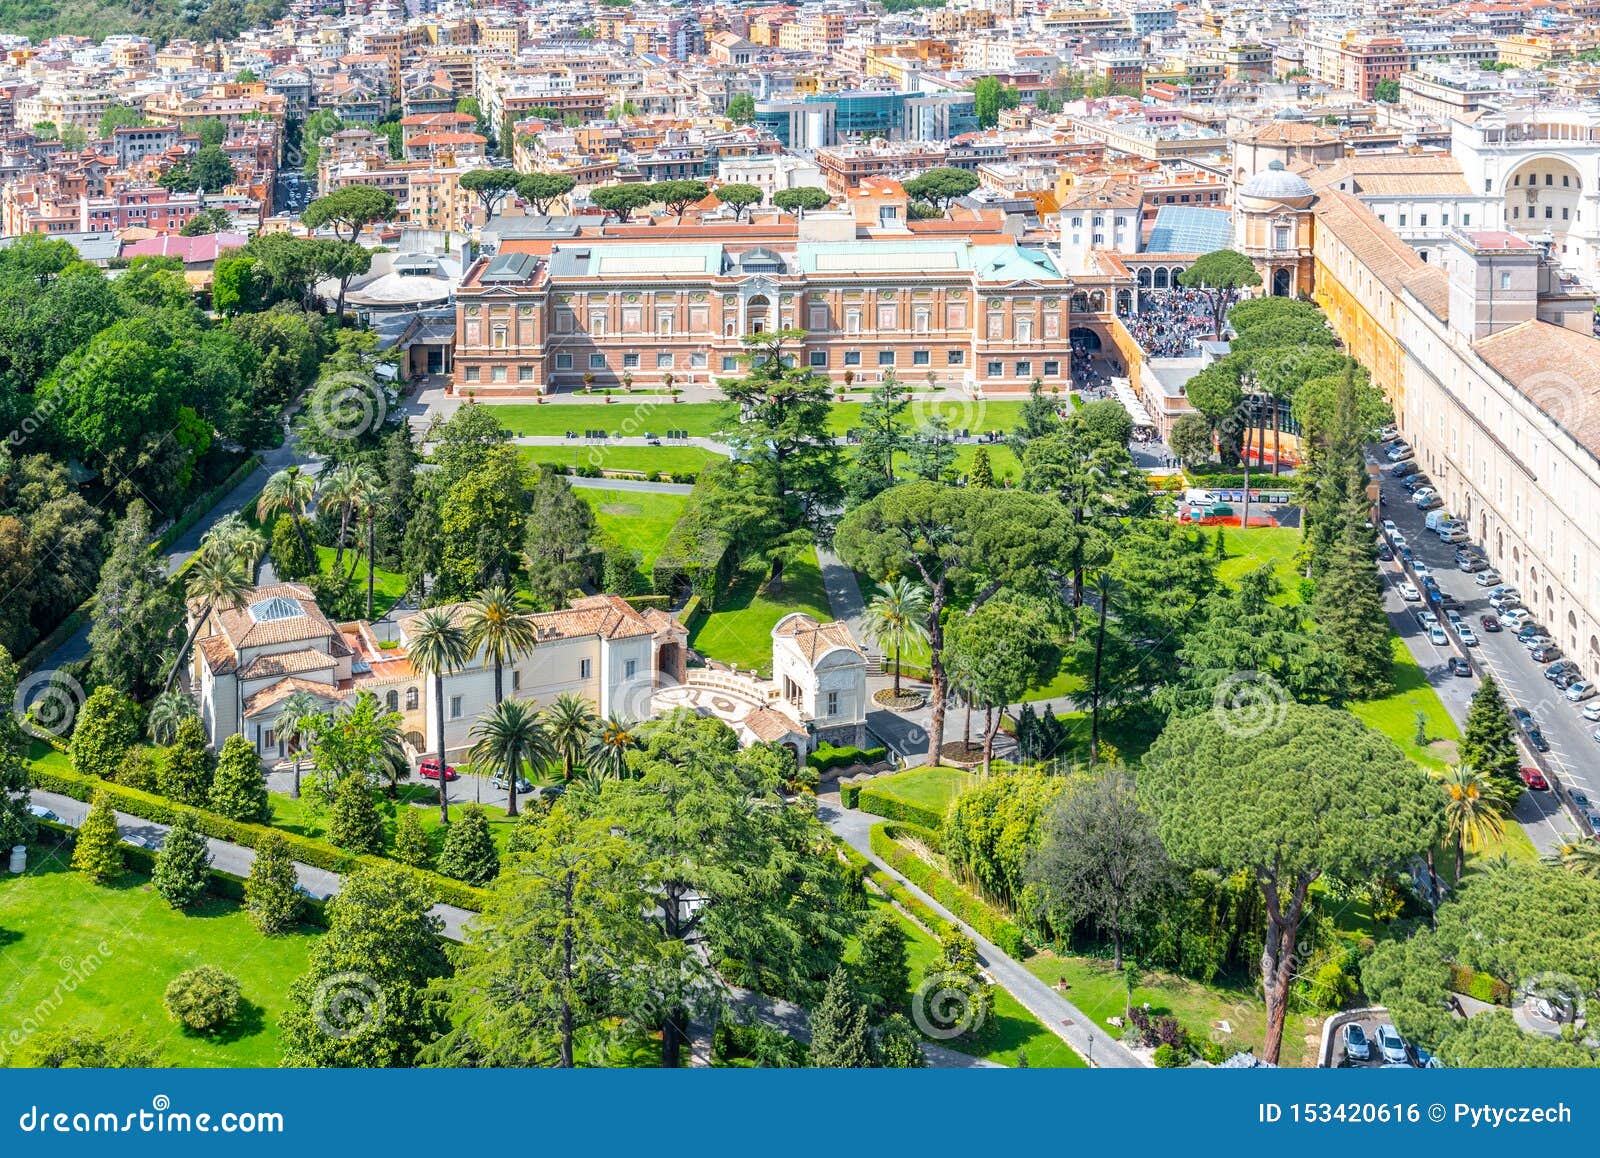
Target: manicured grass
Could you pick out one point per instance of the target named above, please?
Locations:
(666, 459)
(48, 757)
(1003, 463)
(1101, 993)
(632, 417)
(1248, 548)
(1009, 1029)
(101, 957)
(739, 632)
(1395, 715)
(387, 586)
(298, 816)
(926, 786)
(636, 519)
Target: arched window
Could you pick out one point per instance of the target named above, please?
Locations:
(1161, 277)
(392, 700)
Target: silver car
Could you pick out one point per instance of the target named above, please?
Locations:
(1392, 1046)
(1356, 1045)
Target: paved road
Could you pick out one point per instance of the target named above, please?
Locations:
(629, 484)
(230, 858)
(1574, 757)
(1066, 1020)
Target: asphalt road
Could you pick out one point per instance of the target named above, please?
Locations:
(1574, 757)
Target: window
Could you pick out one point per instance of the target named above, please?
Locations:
(664, 323)
(819, 359)
(1505, 280)
(455, 707)
(585, 666)
(1549, 212)
(597, 361)
(1566, 180)
(663, 361)
(697, 361)
(921, 357)
(886, 357)
(819, 317)
(1402, 220)
(730, 363)
(497, 373)
(472, 373)
(1422, 219)
(629, 668)
(919, 322)
(852, 321)
(392, 700)
(1566, 214)
(411, 699)
(516, 679)
(955, 357)
(563, 361)
(995, 369)
(833, 703)
(1549, 179)
(270, 740)
(852, 357)
(1280, 237)
(1052, 369)
(1024, 369)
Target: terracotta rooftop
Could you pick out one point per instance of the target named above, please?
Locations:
(815, 639)
(1556, 369)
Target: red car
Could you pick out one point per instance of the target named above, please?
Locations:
(1533, 778)
(430, 771)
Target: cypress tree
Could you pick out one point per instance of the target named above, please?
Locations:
(410, 841)
(839, 1035)
(186, 775)
(1490, 744)
(469, 853)
(882, 971)
(238, 790)
(98, 853)
(982, 474)
(269, 891)
(1348, 607)
(355, 825)
(180, 873)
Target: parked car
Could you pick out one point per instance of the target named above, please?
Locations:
(1402, 469)
(1445, 600)
(1391, 1045)
(1472, 564)
(1398, 451)
(1389, 433)
(1489, 623)
(1536, 738)
(1581, 801)
(1459, 666)
(1529, 632)
(1487, 578)
(1560, 668)
(1356, 1045)
(1427, 619)
(1578, 692)
(1523, 718)
(1405, 554)
(1516, 618)
(429, 770)
(499, 781)
(1428, 502)
(1408, 592)
(1591, 711)
(1437, 637)
(1421, 569)
(1546, 653)
(1534, 779)
(1389, 529)
(1469, 638)
(1384, 554)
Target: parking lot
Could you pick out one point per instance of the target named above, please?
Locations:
(1574, 756)
(1369, 1023)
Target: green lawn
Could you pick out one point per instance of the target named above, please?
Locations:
(1250, 547)
(1010, 1027)
(298, 816)
(636, 519)
(644, 459)
(1395, 715)
(48, 757)
(83, 954)
(632, 417)
(739, 632)
(387, 586)
(926, 786)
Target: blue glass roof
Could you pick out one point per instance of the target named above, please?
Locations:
(1189, 229)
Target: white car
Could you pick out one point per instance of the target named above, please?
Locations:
(1427, 619)
(1409, 593)
(1420, 568)
(1391, 1045)
(1580, 691)
(1454, 617)
(1591, 711)
(1516, 619)
(1469, 638)
(1389, 528)
(1500, 600)
(1398, 451)
(1437, 637)
(1487, 578)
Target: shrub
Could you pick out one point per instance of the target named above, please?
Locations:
(848, 794)
(410, 841)
(469, 853)
(186, 775)
(995, 927)
(355, 823)
(1170, 1058)
(1483, 986)
(827, 757)
(270, 895)
(138, 770)
(203, 999)
(108, 725)
(1212, 1051)
(875, 800)
(98, 854)
(238, 790)
(182, 866)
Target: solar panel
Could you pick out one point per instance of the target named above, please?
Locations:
(1189, 229)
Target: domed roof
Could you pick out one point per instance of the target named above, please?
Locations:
(1276, 183)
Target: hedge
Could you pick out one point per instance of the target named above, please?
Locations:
(874, 800)
(996, 928)
(689, 610)
(304, 849)
(1483, 986)
(848, 794)
(898, 893)
(827, 757)
(646, 601)
(203, 503)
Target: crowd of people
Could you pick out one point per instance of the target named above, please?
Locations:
(1171, 323)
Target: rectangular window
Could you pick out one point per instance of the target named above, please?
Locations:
(833, 703)
(819, 359)
(630, 361)
(524, 373)
(585, 668)
(852, 357)
(852, 321)
(472, 373)
(819, 317)
(730, 363)
(955, 357)
(629, 668)
(455, 707)
(921, 357)
(663, 361)
(597, 361)
(1024, 369)
(886, 357)
(1052, 369)
(697, 361)
(563, 361)
(995, 369)
(516, 679)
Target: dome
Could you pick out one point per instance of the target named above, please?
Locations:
(1276, 183)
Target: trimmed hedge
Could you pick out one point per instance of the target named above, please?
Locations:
(203, 503)
(827, 757)
(1483, 986)
(645, 601)
(993, 926)
(316, 853)
(897, 892)
(848, 794)
(873, 799)
(689, 610)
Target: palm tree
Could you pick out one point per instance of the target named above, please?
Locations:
(296, 721)
(511, 736)
(346, 489)
(495, 626)
(214, 581)
(289, 491)
(571, 723)
(167, 711)
(1575, 854)
(897, 618)
(438, 645)
(1473, 811)
(609, 747)
(232, 537)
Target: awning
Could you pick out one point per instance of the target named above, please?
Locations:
(1130, 402)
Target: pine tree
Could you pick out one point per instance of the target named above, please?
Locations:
(839, 1036)
(186, 775)
(981, 474)
(1338, 481)
(354, 824)
(469, 853)
(1349, 609)
(882, 972)
(181, 866)
(1490, 744)
(98, 854)
(238, 790)
(269, 891)
(410, 841)
(899, 1046)
(136, 610)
